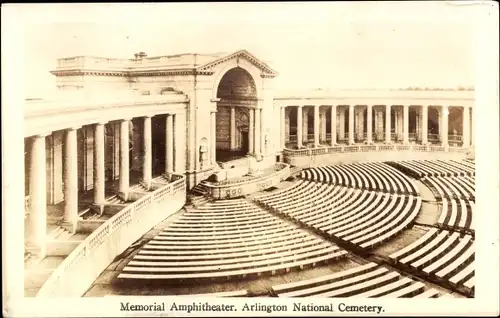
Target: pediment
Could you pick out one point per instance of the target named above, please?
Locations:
(242, 54)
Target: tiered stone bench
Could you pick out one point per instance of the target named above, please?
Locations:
(361, 218)
(364, 281)
(435, 168)
(457, 215)
(227, 239)
(367, 176)
(444, 256)
(457, 188)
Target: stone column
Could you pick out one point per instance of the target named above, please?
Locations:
(257, 134)
(322, 115)
(299, 127)
(356, 124)
(466, 127)
(425, 115)
(387, 123)
(361, 124)
(124, 159)
(333, 125)
(283, 126)
(351, 124)
(262, 133)
(99, 165)
(316, 125)
(213, 128)
(418, 125)
(37, 219)
(444, 126)
(397, 123)
(406, 121)
(233, 128)
(342, 124)
(473, 127)
(305, 124)
(369, 128)
(147, 169)
(380, 124)
(180, 143)
(251, 131)
(70, 180)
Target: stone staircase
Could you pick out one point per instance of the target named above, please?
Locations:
(115, 200)
(60, 243)
(198, 195)
(139, 188)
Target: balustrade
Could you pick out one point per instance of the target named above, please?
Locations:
(92, 256)
(370, 148)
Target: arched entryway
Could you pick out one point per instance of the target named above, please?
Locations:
(235, 119)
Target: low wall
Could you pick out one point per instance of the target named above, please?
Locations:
(82, 267)
(365, 153)
(237, 189)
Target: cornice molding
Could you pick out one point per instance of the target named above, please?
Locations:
(79, 72)
(268, 72)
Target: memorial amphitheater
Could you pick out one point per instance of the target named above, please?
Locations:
(191, 175)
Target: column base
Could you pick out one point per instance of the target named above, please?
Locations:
(123, 195)
(167, 175)
(146, 184)
(39, 251)
(97, 208)
(71, 226)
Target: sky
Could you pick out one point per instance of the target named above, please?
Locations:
(311, 45)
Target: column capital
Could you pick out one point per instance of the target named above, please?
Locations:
(125, 119)
(148, 116)
(101, 123)
(213, 111)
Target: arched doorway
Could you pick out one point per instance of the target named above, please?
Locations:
(237, 97)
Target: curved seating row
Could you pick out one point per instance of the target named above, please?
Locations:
(442, 255)
(368, 176)
(457, 215)
(370, 280)
(223, 240)
(435, 168)
(362, 218)
(458, 188)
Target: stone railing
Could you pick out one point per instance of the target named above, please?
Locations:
(85, 263)
(343, 154)
(247, 186)
(370, 148)
(261, 173)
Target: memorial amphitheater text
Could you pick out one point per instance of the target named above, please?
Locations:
(191, 175)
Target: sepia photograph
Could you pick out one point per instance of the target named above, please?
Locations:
(250, 159)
